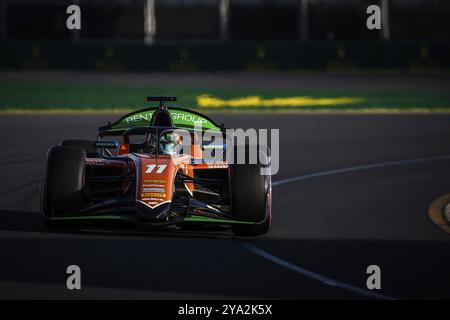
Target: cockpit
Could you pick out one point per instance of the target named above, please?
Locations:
(153, 141)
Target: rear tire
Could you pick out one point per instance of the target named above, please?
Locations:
(63, 189)
(250, 197)
(86, 145)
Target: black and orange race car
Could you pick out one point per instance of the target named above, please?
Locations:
(150, 169)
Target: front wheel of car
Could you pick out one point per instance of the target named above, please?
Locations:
(62, 191)
(250, 198)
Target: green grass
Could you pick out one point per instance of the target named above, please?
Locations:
(42, 96)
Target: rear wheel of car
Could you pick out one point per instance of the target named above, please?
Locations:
(86, 145)
(63, 188)
(250, 197)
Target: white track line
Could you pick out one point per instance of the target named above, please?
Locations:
(358, 168)
(310, 274)
(318, 277)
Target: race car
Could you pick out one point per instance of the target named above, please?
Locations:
(150, 169)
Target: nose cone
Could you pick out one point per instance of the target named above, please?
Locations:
(155, 186)
(146, 213)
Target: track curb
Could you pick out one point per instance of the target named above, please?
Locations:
(439, 212)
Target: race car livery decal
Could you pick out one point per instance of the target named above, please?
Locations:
(153, 182)
(160, 168)
(180, 118)
(153, 189)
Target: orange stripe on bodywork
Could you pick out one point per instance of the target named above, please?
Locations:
(156, 178)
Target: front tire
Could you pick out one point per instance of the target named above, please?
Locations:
(63, 188)
(250, 198)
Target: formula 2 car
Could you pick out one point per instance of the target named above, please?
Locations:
(147, 178)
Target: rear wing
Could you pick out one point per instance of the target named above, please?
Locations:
(181, 118)
(161, 99)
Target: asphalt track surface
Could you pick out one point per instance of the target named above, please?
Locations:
(328, 226)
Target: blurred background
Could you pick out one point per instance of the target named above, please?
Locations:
(251, 41)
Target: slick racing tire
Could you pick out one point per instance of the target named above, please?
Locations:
(250, 197)
(86, 145)
(63, 189)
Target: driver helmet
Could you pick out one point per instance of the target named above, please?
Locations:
(169, 143)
